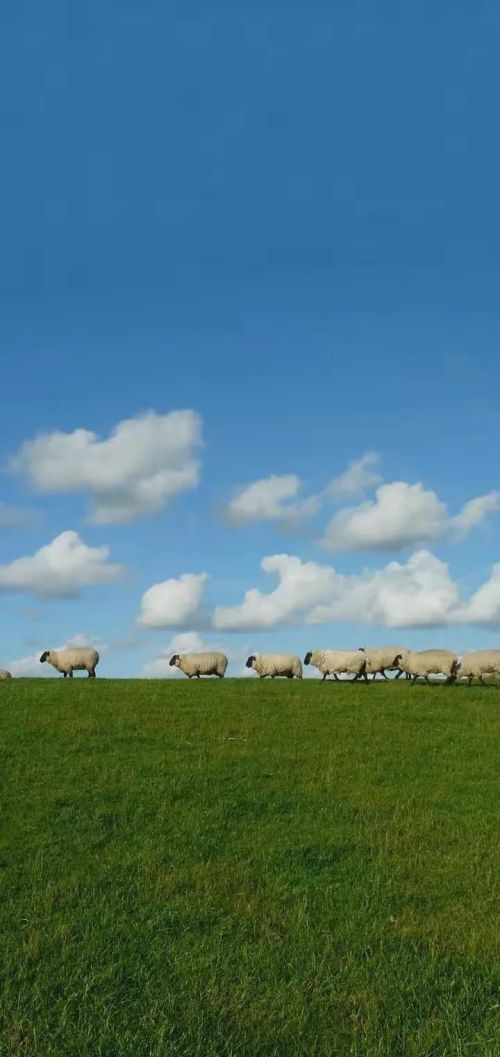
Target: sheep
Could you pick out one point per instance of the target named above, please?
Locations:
(382, 657)
(4, 674)
(273, 664)
(479, 663)
(197, 664)
(333, 662)
(430, 662)
(74, 659)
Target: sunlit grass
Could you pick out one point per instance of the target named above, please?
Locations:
(248, 869)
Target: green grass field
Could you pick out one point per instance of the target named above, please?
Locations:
(248, 869)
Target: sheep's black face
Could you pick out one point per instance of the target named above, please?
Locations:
(307, 658)
(397, 660)
(250, 662)
(361, 649)
(174, 659)
(44, 656)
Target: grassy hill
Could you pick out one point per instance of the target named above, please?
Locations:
(247, 869)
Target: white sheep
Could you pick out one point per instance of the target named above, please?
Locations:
(479, 663)
(74, 659)
(381, 657)
(337, 662)
(273, 664)
(197, 664)
(4, 674)
(430, 662)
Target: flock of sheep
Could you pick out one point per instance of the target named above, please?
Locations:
(357, 663)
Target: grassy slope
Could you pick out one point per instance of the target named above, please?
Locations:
(249, 869)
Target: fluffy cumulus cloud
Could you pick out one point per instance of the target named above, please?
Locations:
(400, 515)
(360, 475)
(419, 593)
(136, 471)
(484, 605)
(301, 585)
(274, 498)
(474, 512)
(60, 569)
(174, 603)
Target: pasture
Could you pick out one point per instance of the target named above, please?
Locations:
(249, 869)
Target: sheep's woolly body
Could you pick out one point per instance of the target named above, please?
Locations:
(479, 663)
(4, 674)
(337, 662)
(431, 662)
(381, 657)
(198, 664)
(276, 664)
(75, 659)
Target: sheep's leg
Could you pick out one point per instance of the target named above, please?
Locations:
(324, 677)
(70, 675)
(481, 680)
(400, 672)
(335, 676)
(427, 680)
(415, 677)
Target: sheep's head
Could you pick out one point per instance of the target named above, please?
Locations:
(361, 649)
(175, 660)
(307, 658)
(45, 656)
(397, 660)
(250, 661)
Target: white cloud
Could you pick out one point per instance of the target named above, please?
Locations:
(359, 475)
(474, 512)
(134, 472)
(484, 605)
(400, 515)
(60, 569)
(174, 603)
(273, 498)
(419, 593)
(301, 585)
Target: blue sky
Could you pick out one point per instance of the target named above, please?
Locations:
(281, 221)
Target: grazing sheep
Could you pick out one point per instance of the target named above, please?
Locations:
(273, 664)
(74, 659)
(479, 663)
(381, 657)
(430, 662)
(198, 664)
(336, 662)
(4, 674)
